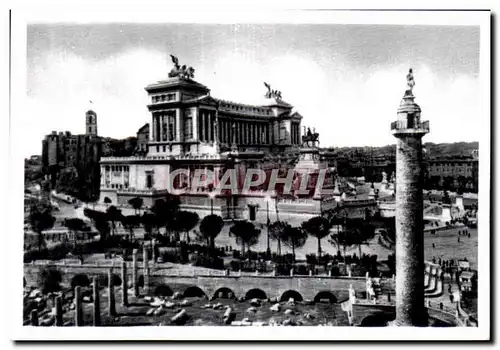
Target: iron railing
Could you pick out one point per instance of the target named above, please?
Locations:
(404, 124)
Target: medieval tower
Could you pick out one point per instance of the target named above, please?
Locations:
(409, 130)
(91, 123)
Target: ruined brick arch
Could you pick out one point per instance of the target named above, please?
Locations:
(291, 294)
(163, 290)
(255, 293)
(325, 294)
(379, 319)
(224, 292)
(194, 291)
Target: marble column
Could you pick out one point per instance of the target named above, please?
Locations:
(202, 128)
(153, 121)
(410, 264)
(78, 307)
(178, 126)
(210, 127)
(34, 318)
(59, 311)
(162, 122)
(153, 251)
(111, 294)
(145, 269)
(124, 284)
(97, 302)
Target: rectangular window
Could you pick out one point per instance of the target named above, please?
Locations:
(171, 126)
(164, 128)
(188, 125)
(149, 180)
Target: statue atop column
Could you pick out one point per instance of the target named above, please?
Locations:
(183, 72)
(410, 81)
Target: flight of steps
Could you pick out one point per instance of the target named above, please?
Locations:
(433, 282)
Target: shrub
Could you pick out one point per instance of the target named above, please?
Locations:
(235, 265)
(212, 262)
(311, 259)
(80, 280)
(301, 270)
(50, 280)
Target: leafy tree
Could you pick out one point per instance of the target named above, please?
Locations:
(210, 227)
(41, 219)
(246, 235)
(187, 221)
(107, 200)
(136, 203)
(148, 222)
(75, 225)
(113, 215)
(339, 239)
(294, 237)
(50, 280)
(129, 222)
(360, 233)
(165, 211)
(276, 232)
(102, 226)
(318, 227)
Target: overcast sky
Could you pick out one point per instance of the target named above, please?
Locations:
(346, 80)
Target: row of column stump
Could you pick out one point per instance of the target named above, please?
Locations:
(96, 311)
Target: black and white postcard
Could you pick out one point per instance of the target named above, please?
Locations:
(291, 175)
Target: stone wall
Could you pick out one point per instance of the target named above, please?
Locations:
(273, 286)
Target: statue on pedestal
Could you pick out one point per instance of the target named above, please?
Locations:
(384, 177)
(183, 72)
(310, 139)
(272, 93)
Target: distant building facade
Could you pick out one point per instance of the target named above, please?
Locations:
(142, 139)
(454, 173)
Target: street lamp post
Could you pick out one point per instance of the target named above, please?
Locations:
(212, 196)
(267, 199)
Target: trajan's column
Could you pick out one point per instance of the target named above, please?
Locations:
(409, 130)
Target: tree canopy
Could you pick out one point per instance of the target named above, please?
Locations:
(41, 219)
(210, 227)
(318, 227)
(247, 235)
(294, 237)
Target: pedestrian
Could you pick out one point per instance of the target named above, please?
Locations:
(458, 239)
(468, 235)
(449, 288)
(434, 247)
